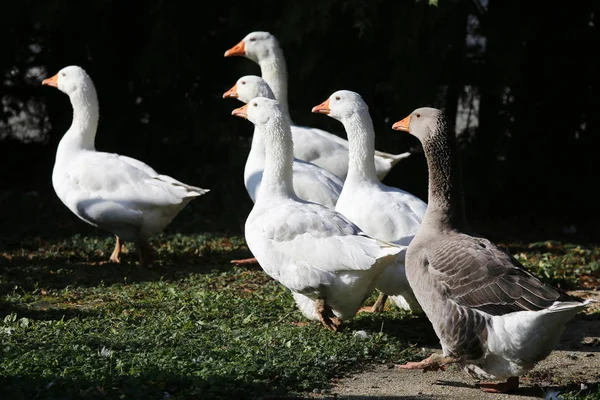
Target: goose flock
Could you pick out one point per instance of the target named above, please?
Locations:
(325, 226)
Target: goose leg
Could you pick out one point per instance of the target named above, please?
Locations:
(145, 252)
(115, 256)
(434, 362)
(380, 303)
(326, 315)
(245, 261)
(378, 306)
(511, 383)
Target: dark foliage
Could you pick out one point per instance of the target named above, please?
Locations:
(160, 73)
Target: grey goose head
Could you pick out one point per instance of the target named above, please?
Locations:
(425, 123)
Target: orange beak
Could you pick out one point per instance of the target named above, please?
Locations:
(237, 50)
(51, 81)
(403, 125)
(231, 93)
(322, 108)
(241, 112)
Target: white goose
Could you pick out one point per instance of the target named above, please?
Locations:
(116, 193)
(327, 262)
(492, 316)
(311, 183)
(381, 211)
(317, 146)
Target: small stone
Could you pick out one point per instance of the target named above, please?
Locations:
(361, 334)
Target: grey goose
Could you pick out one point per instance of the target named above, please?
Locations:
(492, 316)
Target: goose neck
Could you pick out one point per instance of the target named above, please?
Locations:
(274, 72)
(82, 132)
(361, 142)
(277, 181)
(445, 206)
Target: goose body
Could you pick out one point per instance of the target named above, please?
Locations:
(382, 211)
(326, 261)
(112, 192)
(317, 146)
(311, 182)
(491, 315)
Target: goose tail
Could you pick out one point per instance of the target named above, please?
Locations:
(393, 158)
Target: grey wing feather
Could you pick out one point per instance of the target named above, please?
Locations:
(477, 274)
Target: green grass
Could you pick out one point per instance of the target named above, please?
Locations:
(582, 393)
(192, 326)
(565, 265)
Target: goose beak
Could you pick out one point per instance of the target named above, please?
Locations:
(322, 108)
(51, 81)
(403, 125)
(231, 93)
(241, 112)
(237, 50)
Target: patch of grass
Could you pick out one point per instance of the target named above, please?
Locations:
(193, 326)
(583, 392)
(565, 265)
(190, 327)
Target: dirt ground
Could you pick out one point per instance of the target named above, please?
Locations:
(575, 365)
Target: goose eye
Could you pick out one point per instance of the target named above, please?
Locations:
(418, 115)
(337, 97)
(255, 105)
(253, 39)
(63, 74)
(243, 82)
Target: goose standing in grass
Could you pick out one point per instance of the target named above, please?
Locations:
(327, 262)
(317, 146)
(311, 183)
(491, 315)
(381, 211)
(112, 192)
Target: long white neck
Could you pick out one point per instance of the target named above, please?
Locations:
(361, 141)
(257, 149)
(255, 163)
(274, 71)
(279, 157)
(82, 133)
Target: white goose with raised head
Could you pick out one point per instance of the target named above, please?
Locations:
(491, 315)
(112, 192)
(317, 146)
(328, 263)
(311, 182)
(382, 211)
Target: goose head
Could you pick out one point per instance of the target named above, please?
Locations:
(248, 87)
(425, 123)
(260, 111)
(255, 46)
(69, 80)
(342, 105)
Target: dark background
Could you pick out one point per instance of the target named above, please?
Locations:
(527, 71)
